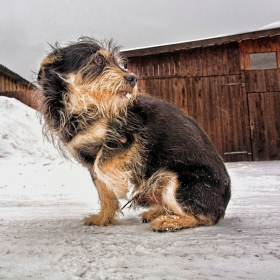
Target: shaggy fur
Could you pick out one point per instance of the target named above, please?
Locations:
(90, 102)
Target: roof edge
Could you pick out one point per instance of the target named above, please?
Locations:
(201, 43)
(16, 77)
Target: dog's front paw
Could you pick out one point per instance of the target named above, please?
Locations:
(99, 220)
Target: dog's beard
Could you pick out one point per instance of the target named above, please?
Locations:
(109, 93)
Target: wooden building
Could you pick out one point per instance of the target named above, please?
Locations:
(13, 85)
(230, 85)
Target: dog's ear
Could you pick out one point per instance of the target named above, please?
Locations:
(47, 61)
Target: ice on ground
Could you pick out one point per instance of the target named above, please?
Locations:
(43, 199)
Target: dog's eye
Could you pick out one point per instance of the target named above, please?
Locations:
(100, 60)
(123, 66)
(123, 63)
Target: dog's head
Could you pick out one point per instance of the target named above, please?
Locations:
(86, 75)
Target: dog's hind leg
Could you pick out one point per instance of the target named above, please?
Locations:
(166, 214)
(109, 207)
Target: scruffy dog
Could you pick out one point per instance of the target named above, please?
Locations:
(90, 102)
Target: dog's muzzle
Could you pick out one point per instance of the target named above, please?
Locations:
(131, 79)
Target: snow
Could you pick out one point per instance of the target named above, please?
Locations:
(269, 26)
(43, 199)
(275, 24)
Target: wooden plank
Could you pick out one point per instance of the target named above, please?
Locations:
(131, 65)
(246, 48)
(219, 105)
(142, 86)
(148, 66)
(139, 68)
(265, 125)
(213, 61)
(1, 82)
(182, 96)
(144, 67)
(221, 61)
(210, 59)
(198, 63)
(255, 81)
(176, 65)
(166, 65)
(243, 54)
(233, 59)
(274, 84)
(198, 104)
(182, 63)
(262, 80)
(193, 63)
(257, 46)
(277, 49)
(204, 62)
(185, 63)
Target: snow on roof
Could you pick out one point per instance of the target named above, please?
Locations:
(272, 25)
(272, 29)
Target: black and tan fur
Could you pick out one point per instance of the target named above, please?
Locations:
(91, 104)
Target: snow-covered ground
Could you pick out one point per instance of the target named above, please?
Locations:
(43, 199)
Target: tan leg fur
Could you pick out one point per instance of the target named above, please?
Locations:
(154, 212)
(175, 222)
(109, 207)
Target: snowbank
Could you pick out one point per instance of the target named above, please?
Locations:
(21, 138)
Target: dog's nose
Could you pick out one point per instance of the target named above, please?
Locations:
(131, 78)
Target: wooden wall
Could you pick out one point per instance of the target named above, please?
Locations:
(264, 113)
(238, 108)
(199, 62)
(269, 44)
(14, 89)
(8, 84)
(263, 91)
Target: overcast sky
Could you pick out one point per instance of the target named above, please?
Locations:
(27, 26)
